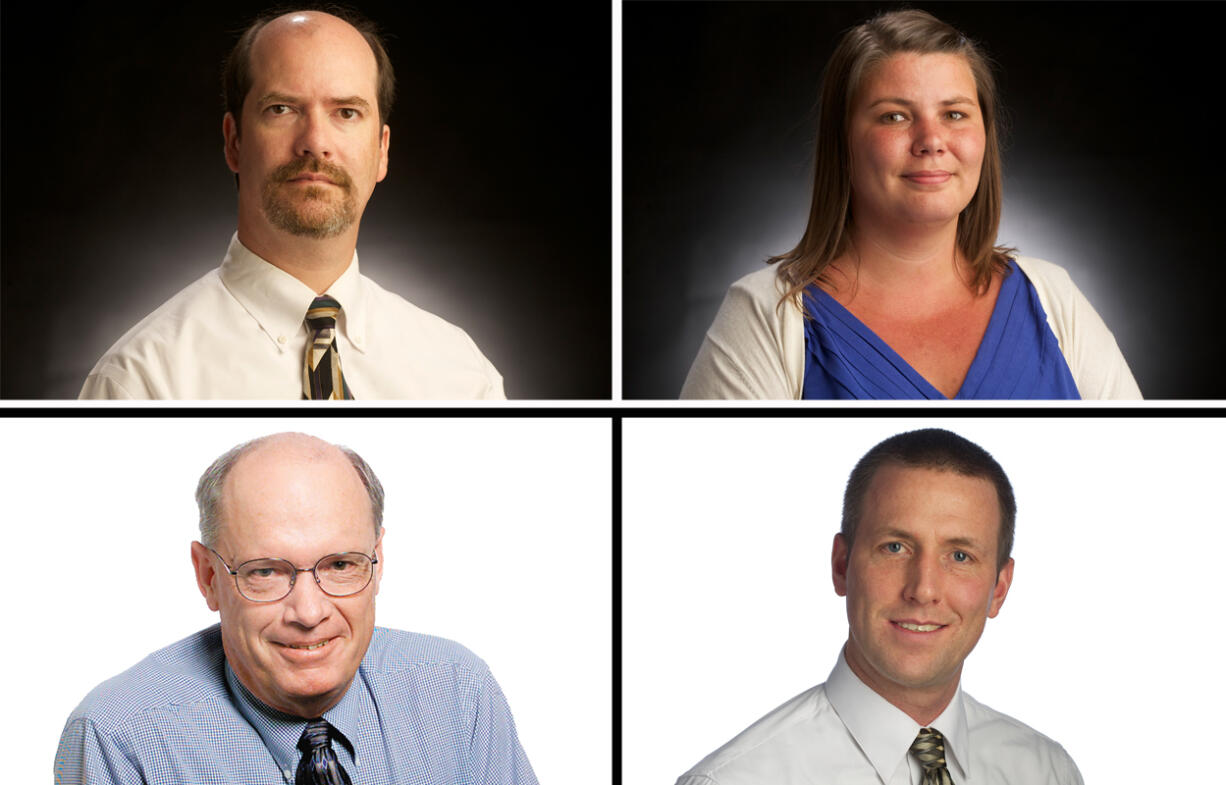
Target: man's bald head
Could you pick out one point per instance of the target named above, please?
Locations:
(240, 67)
(280, 447)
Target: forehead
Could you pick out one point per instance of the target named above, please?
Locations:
(312, 54)
(930, 502)
(918, 77)
(295, 504)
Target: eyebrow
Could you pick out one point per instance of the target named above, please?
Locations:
(959, 542)
(958, 99)
(352, 100)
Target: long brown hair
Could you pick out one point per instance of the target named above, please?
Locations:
(861, 49)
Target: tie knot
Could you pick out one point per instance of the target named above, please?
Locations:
(929, 748)
(322, 313)
(316, 736)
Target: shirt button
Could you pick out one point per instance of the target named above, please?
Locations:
(280, 339)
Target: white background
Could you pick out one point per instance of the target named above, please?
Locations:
(498, 536)
(1109, 640)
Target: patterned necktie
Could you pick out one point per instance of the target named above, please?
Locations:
(929, 748)
(319, 765)
(321, 372)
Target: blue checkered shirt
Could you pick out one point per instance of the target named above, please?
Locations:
(420, 710)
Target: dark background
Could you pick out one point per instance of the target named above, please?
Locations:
(495, 213)
(1112, 167)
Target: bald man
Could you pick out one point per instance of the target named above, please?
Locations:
(288, 314)
(296, 684)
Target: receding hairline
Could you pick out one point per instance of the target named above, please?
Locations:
(313, 27)
(318, 451)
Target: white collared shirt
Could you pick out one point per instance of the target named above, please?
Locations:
(844, 733)
(239, 333)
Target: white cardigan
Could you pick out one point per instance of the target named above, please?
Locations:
(755, 350)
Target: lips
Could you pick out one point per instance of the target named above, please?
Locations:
(918, 626)
(307, 646)
(928, 177)
(312, 178)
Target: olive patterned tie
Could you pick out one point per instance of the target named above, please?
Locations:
(321, 371)
(929, 748)
(319, 765)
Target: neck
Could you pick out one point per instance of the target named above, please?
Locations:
(922, 704)
(317, 263)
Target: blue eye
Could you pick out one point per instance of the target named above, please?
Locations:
(961, 556)
(893, 547)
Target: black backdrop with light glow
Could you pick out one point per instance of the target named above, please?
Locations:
(1112, 167)
(495, 213)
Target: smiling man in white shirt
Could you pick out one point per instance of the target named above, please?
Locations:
(308, 94)
(923, 560)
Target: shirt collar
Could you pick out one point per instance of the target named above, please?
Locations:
(280, 731)
(885, 732)
(278, 301)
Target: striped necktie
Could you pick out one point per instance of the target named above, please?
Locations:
(319, 765)
(321, 371)
(929, 748)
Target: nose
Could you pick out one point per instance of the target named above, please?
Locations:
(314, 135)
(928, 139)
(306, 605)
(923, 581)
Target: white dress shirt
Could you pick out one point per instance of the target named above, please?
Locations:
(240, 333)
(756, 350)
(844, 733)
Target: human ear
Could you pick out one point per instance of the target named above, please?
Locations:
(839, 555)
(1003, 580)
(229, 132)
(206, 575)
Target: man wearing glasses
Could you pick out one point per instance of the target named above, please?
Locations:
(270, 695)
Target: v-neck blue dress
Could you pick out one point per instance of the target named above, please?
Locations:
(1017, 358)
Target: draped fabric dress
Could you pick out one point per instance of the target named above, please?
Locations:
(1018, 357)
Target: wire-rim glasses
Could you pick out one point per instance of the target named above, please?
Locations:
(270, 580)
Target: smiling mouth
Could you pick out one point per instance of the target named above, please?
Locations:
(919, 627)
(306, 647)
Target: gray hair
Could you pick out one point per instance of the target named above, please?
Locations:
(209, 489)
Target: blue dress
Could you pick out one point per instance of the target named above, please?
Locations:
(1018, 357)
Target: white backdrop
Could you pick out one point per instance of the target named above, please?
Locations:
(1111, 631)
(498, 536)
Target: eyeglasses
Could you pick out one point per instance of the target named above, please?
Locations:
(269, 580)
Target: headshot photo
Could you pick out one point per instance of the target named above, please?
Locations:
(868, 201)
(315, 601)
(918, 600)
(375, 201)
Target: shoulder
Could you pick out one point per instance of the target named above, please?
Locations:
(395, 652)
(397, 325)
(156, 338)
(761, 288)
(388, 305)
(185, 673)
(196, 301)
(1047, 278)
(766, 744)
(1025, 744)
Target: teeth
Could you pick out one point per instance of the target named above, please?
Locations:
(307, 648)
(919, 627)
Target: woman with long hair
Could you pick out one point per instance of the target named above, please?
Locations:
(897, 288)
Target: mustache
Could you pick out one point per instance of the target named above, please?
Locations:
(292, 169)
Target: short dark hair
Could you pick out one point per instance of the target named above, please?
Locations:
(236, 69)
(931, 448)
